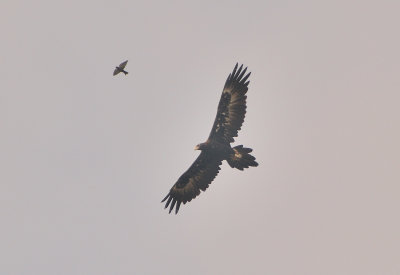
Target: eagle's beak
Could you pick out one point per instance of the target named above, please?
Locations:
(197, 147)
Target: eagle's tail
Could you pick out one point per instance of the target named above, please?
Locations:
(241, 158)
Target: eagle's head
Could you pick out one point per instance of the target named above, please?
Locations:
(200, 146)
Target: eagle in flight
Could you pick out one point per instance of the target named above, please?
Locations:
(120, 68)
(230, 116)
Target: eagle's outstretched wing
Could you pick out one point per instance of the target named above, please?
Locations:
(232, 107)
(198, 177)
(123, 64)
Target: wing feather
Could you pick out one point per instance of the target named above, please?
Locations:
(232, 106)
(123, 64)
(198, 177)
(116, 71)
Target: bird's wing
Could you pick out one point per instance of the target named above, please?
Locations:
(116, 71)
(123, 64)
(232, 106)
(198, 177)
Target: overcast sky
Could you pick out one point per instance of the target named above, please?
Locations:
(85, 157)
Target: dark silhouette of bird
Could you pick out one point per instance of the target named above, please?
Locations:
(229, 119)
(120, 68)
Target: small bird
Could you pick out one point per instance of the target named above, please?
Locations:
(121, 68)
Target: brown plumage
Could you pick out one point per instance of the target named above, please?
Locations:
(229, 119)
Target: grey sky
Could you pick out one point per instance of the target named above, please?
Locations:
(87, 157)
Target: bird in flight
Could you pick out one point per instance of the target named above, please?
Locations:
(121, 68)
(230, 117)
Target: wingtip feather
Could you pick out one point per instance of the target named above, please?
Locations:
(234, 71)
(177, 207)
(238, 71)
(168, 202)
(245, 78)
(165, 198)
(172, 205)
(241, 75)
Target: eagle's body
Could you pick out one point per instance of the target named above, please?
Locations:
(229, 119)
(120, 68)
(216, 147)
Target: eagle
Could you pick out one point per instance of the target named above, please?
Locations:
(120, 68)
(229, 119)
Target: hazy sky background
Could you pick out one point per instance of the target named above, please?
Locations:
(87, 157)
